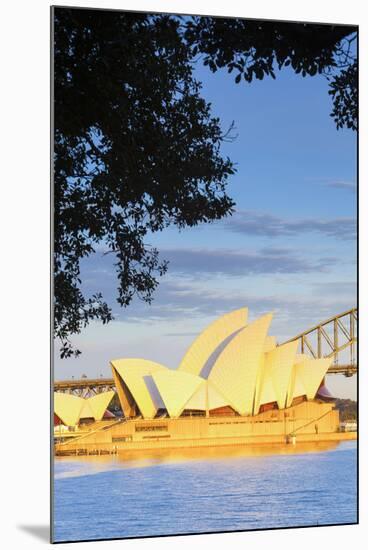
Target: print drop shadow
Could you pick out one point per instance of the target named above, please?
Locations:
(41, 532)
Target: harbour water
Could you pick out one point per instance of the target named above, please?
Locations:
(204, 490)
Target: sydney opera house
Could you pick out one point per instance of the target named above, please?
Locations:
(234, 386)
(71, 410)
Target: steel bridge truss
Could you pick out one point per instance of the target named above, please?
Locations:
(85, 387)
(336, 337)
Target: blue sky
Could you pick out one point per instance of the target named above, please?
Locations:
(289, 248)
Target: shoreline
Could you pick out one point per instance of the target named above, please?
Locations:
(244, 443)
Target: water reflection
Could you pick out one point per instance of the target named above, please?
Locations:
(204, 490)
(88, 465)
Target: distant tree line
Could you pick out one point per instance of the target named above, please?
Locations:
(347, 409)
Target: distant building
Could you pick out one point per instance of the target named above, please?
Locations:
(348, 426)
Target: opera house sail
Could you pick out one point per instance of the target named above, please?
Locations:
(234, 386)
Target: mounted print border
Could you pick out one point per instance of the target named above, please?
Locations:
(204, 195)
